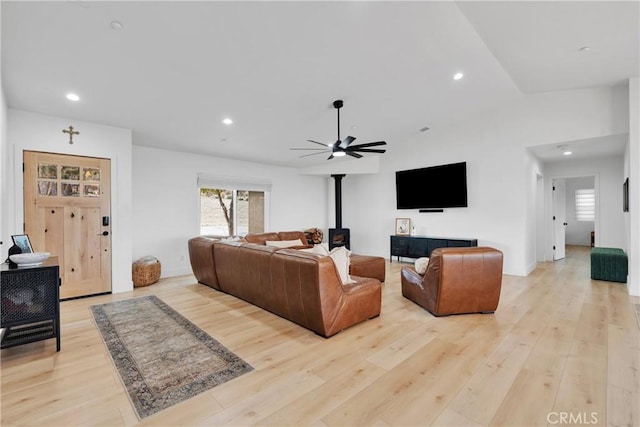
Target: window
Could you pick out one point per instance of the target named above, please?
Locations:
(585, 204)
(227, 212)
(232, 207)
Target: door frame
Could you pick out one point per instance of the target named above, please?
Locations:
(548, 220)
(558, 215)
(121, 242)
(90, 232)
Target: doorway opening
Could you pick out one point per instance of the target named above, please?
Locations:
(574, 213)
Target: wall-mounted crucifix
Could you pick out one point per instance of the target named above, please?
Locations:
(71, 132)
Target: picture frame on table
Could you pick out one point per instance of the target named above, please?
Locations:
(403, 226)
(22, 241)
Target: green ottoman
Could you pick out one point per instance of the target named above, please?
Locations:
(609, 264)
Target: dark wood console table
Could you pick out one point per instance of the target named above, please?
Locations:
(30, 298)
(421, 246)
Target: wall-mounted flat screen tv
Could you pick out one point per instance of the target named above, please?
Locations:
(443, 186)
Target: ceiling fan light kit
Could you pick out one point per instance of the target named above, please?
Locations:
(343, 147)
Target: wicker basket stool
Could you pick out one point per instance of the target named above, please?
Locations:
(145, 271)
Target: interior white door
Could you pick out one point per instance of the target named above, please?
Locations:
(559, 218)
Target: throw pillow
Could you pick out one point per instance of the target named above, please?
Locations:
(340, 257)
(284, 243)
(421, 265)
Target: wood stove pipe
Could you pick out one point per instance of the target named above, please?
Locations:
(338, 180)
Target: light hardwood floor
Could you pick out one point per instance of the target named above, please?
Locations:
(561, 349)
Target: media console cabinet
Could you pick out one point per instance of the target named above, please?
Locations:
(421, 246)
(30, 303)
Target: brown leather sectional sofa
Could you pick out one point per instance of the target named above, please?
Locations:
(302, 287)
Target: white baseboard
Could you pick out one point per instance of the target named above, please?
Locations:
(176, 272)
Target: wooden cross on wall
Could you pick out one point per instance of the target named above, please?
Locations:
(71, 132)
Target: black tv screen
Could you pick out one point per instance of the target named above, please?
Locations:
(443, 186)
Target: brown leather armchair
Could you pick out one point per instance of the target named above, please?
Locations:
(457, 281)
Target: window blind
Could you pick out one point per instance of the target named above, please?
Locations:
(233, 183)
(585, 204)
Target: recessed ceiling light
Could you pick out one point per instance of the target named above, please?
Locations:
(567, 153)
(227, 121)
(116, 25)
(584, 49)
(73, 97)
(458, 76)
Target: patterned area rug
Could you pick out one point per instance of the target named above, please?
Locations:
(162, 358)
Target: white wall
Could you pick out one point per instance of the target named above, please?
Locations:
(501, 174)
(4, 180)
(165, 201)
(534, 226)
(627, 216)
(632, 166)
(540, 219)
(30, 131)
(577, 232)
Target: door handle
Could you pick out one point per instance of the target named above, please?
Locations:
(104, 233)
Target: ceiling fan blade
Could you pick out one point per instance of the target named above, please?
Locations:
(368, 144)
(314, 149)
(319, 143)
(345, 142)
(313, 154)
(366, 150)
(331, 156)
(353, 154)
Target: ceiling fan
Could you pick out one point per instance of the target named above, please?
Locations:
(343, 146)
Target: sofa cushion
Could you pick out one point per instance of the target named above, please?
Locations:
(261, 238)
(292, 235)
(284, 243)
(367, 266)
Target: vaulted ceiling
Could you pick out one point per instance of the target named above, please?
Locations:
(171, 71)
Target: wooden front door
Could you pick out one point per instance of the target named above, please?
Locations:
(67, 205)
